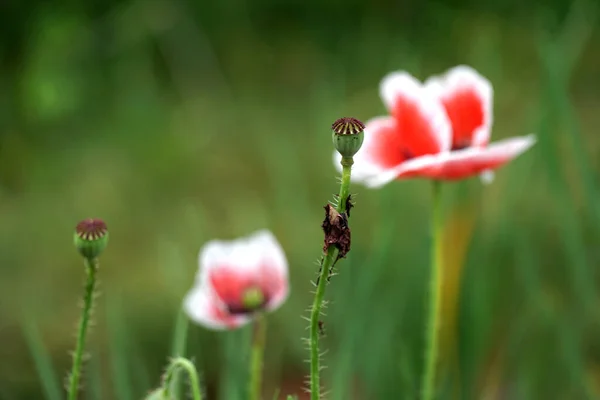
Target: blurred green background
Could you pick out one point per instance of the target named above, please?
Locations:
(181, 121)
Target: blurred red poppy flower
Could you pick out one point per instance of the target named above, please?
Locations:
(437, 130)
(236, 280)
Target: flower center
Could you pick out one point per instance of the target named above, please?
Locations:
(461, 144)
(253, 298)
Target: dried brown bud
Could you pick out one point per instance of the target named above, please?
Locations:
(337, 232)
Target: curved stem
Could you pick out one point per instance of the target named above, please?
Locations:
(435, 292)
(189, 367)
(91, 267)
(328, 260)
(256, 359)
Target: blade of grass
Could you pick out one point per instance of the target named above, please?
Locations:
(94, 381)
(41, 358)
(233, 371)
(560, 58)
(119, 353)
(571, 233)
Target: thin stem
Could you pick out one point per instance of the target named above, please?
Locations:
(178, 348)
(187, 366)
(256, 358)
(435, 292)
(330, 256)
(91, 267)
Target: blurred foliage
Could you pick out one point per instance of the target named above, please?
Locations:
(182, 121)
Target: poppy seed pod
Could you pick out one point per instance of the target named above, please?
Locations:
(348, 135)
(91, 237)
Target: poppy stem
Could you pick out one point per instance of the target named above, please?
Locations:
(435, 296)
(187, 366)
(178, 348)
(328, 261)
(259, 334)
(91, 267)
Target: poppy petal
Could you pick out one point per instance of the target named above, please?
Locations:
(476, 160)
(229, 285)
(231, 267)
(467, 97)
(422, 123)
(245, 255)
(421, 167)
(273, 277)
(204, 308)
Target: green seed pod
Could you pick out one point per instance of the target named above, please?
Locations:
(348, 135)
(91, 237)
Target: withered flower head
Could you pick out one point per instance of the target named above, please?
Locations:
(336, 230)
(348, 136)
(91, 237)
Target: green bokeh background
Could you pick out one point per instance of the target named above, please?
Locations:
(182, 121)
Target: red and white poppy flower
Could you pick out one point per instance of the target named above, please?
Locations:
(237, 279)
(437, 130)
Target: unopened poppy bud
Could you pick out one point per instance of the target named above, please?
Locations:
(348, 135)
(91, 237)
(253, 298)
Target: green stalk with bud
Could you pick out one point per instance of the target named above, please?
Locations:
(91, 238)
(347, 136)
(176, 364)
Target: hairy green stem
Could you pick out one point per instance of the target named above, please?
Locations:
(256, 357)
(328, 260)
(91, 267)
(435, 297)
(187, 366)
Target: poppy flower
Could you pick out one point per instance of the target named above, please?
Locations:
(438, 130)
(238, 279)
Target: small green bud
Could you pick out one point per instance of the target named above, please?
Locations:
(91, 237)
(348, 135)
(253, 298)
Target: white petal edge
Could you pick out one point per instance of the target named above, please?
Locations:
(464, 76)
(412, 165)
(279, 298)
(507, 149)
(198, 305)
(401, 83)
(245, 254)
(383, 177)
